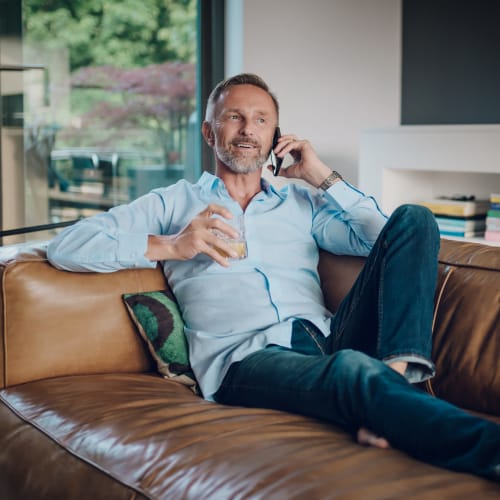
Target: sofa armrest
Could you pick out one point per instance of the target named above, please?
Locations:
(466, 331)
(57, 323)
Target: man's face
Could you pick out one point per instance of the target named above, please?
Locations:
(244, 121)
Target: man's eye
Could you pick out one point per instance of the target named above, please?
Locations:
(261, 120)
(234, 117)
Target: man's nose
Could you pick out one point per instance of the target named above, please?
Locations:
(247, 128)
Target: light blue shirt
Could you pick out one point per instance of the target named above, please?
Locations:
(231, 312)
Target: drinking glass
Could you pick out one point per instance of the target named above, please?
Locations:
(239, 244)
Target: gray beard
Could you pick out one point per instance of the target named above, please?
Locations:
(239, 165)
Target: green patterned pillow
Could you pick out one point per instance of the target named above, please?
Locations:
(159, 322)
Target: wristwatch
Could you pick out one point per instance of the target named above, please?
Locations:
(330, 180)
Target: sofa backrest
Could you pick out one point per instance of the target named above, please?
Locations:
(58, 323)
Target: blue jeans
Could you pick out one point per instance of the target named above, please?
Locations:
(388, 312)
(343, 378)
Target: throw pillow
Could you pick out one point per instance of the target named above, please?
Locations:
(159, 322)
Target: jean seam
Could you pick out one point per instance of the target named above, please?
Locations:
(380, 305)
(406, 353)
(312, 335)
(340, 333)
(354, 305)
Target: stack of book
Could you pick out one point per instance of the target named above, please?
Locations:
(462, 216)
(493, 219)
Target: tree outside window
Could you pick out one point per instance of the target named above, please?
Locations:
(121, 75)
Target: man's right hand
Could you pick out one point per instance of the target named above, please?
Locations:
(197, 237)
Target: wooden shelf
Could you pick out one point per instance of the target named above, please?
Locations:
(409, 163)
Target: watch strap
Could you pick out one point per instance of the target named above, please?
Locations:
(330, 180)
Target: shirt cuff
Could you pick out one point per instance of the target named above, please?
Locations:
(343, 195)
(131, 250)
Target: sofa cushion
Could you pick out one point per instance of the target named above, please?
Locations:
(55, 323)
(124, 436)
(159, 322)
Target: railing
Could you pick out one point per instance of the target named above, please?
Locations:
(34, 229)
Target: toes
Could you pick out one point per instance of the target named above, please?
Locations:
(368, 438)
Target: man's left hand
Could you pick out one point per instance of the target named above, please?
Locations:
(306, 165)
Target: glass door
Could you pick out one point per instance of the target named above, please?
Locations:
(98, 106)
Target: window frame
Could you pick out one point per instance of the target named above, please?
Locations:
(210, 70)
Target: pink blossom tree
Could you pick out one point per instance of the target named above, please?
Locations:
(159, 97)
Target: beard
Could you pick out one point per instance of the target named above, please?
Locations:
(239, 164)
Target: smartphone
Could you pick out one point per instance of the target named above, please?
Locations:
(276, 161)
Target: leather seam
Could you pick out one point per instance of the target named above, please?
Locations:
(452, 269)
(467, 265)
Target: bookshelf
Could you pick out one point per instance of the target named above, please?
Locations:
(409, 163)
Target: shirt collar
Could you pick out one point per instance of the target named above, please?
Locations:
(211, 182)
(208, 181)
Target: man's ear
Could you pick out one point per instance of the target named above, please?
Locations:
(208, 133)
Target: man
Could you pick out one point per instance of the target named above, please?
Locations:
(258, 331)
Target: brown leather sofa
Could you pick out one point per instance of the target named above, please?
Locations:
(84, 415)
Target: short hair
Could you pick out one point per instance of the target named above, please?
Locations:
(241, 79)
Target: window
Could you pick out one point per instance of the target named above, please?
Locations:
(99, 104)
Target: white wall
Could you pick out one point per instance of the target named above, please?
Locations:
(334, 65)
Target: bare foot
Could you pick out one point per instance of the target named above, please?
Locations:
(399, 366)
(368, 438)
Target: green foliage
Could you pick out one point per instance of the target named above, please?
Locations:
(122, 33)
